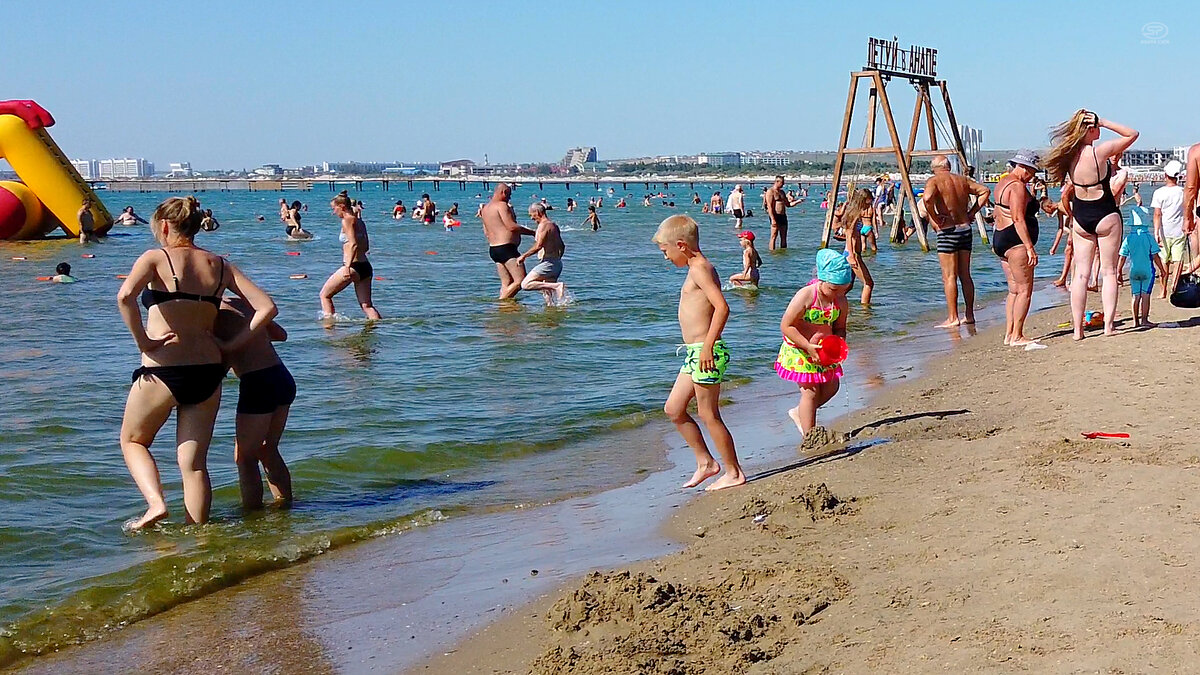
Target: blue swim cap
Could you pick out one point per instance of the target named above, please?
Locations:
(832, 267)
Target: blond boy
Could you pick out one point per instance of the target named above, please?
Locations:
(702, 315)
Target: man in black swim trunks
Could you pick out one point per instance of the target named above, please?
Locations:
(776, 202)
(504, 239)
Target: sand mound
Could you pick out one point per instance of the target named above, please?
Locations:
(819, 437)
(634, 622)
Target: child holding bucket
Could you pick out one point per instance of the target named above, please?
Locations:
(817, 312)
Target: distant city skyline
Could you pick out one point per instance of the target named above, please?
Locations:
(211, 85)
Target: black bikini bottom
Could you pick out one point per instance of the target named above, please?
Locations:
(1003, 240)
(263, 391)
(363, 268)
(1089, 213)
(188, 384)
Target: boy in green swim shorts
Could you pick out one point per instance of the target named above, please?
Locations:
(702, 316)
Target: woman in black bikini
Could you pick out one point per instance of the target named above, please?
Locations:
(1014, 241)
(180, 285)
(355, 268)
(1084, 167)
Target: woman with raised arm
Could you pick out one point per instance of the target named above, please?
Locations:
(180, 285)
(1084, 164)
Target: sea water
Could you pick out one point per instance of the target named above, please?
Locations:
(454, 404)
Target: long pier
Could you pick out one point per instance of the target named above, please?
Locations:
(431, 184)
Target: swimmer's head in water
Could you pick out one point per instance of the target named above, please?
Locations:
(178, 215)
(128, 209)
(63, 269)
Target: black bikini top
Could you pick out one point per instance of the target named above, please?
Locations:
(152, 297)
(1103, 181)
(1031, 206)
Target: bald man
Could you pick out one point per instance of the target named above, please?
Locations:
(947, 205)
(504, 240)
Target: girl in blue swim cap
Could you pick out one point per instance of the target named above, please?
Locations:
(817, 311)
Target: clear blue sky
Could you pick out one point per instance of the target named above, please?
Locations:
(224, 84)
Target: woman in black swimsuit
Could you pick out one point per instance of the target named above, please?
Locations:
(1083, 165)
(180, 285)
(1014, 241)
(356, 269)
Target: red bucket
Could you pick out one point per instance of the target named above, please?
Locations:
(832, 350)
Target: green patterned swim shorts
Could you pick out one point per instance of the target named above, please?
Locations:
(691, 363)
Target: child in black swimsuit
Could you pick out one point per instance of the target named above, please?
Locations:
(264, 399)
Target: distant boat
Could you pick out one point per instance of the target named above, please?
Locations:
(100, 186)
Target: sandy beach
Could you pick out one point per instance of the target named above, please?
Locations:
(972, 528)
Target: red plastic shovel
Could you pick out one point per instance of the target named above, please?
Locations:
(1103, 434)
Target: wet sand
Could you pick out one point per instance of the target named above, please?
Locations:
(970, 528)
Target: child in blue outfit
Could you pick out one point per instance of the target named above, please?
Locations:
(1140, 248)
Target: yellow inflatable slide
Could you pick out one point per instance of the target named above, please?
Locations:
(47, 179)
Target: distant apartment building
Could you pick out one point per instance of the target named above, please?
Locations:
(458, 167)
(719, 159)
(269, 170)
(180, 170)
(359, 168)
(576, 158)
(89, 169)
(1135, 158)
(776, 159)
(125, 167)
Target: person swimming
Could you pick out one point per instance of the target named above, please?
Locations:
(62, 274)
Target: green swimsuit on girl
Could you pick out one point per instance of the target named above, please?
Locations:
(793, 363)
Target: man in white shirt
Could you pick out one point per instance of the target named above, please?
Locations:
(1168, 224)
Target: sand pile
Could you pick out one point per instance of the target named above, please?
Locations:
(723, 621)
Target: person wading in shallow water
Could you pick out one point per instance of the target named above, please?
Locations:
(948, 206)
(776, 203)
(180, 285)
(355, 269)
(504, 240)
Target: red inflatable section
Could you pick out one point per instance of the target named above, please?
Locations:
(12, 214)
(34, 115)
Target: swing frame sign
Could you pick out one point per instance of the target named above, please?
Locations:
(916, 62)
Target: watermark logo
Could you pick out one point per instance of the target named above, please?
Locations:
(1154, 33)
